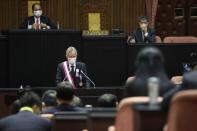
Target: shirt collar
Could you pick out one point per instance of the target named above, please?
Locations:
(72, 65)
(35, 18)
(26, 108)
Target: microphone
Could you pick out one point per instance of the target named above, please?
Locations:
(88, 79)
(64, 79)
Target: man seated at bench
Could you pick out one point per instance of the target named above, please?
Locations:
(65, 95)
(143, 34)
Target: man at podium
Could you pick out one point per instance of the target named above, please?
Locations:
(73, 71)
(143, 34)
(37, 21)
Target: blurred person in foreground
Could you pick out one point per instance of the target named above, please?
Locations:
(149, 63)
(189, 82)
(27, 118)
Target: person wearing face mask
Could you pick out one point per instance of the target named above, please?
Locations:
(72, 70)
(37, 21)
(143, 34)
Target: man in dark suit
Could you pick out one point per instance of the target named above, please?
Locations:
(189, 82)
(73, 71)
(26, 119)
(37, 21)
(143, 34)
(65, 95)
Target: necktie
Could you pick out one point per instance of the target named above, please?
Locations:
(37, 24)
(72, 71)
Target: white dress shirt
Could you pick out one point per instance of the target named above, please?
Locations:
(39, 22)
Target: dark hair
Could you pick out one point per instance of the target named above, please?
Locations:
(35, 5)
(15, 107)
(149, 63)
(107, 100)
(22, 90)
(65, 91)
(76, 101)
(30, 99)
(143, 18)
(150, 56)
(49, 98)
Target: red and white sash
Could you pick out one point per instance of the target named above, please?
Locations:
(68, 76)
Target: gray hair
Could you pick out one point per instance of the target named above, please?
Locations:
(70, 49)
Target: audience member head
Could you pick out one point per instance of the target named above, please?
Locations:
(65, 92)
(143, 22)
(22, 90)
(15, 107)
(71, 55)
(32, 100)
(77, 101)
(190, 80)
(149, 63)
(37, 10)
(49, 99)
(107, 100)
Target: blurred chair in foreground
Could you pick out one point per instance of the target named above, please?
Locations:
(72, 121)
(182, 115)
(125, 115)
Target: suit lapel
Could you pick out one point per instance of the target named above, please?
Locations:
(42, 19)
(77, 65)
(31, 20)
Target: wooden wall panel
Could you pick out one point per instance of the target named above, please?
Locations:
(100, 6)
(126, 12)
(9, 14)
(167, 25)
(66, 12)
(120, 13)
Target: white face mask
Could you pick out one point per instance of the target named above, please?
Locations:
(37, 13)
(72, 61)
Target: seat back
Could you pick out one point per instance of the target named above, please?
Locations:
(72, 121)
(125, 115)
(99, 119)
(183, 112)
(183, 39)
(158, 39)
